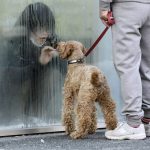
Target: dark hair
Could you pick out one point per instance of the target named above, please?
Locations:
(37, 15)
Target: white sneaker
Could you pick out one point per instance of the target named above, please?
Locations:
(124, 131)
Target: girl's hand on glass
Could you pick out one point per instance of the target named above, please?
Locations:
(47, 53)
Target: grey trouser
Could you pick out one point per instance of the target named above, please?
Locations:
(131, 53)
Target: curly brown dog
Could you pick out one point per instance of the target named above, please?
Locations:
(84, 85)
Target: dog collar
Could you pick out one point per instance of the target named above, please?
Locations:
(78, 61)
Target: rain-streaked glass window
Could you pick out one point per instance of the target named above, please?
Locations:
(31, 93)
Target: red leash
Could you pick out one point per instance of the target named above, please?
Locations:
(110, 22)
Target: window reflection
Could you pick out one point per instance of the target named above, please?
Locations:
(27, 87)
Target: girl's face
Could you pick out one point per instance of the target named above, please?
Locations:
(39, 37)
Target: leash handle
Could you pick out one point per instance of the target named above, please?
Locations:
(110, 22)
(110, 18)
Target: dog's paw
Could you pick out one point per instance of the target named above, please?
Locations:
(69, 130)
(91, 131)
(76, 135)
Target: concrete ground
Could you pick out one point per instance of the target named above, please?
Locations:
(60, 141)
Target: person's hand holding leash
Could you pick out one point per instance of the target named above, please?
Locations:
(107, 18)
(103, 17)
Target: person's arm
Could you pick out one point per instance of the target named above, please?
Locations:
(104, 8)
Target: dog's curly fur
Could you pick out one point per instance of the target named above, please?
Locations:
(84, 85)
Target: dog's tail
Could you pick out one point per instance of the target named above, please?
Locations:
(95, 79)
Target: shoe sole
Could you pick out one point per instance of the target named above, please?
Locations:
(128, 137)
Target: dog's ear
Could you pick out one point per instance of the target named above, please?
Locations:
(68, 50)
